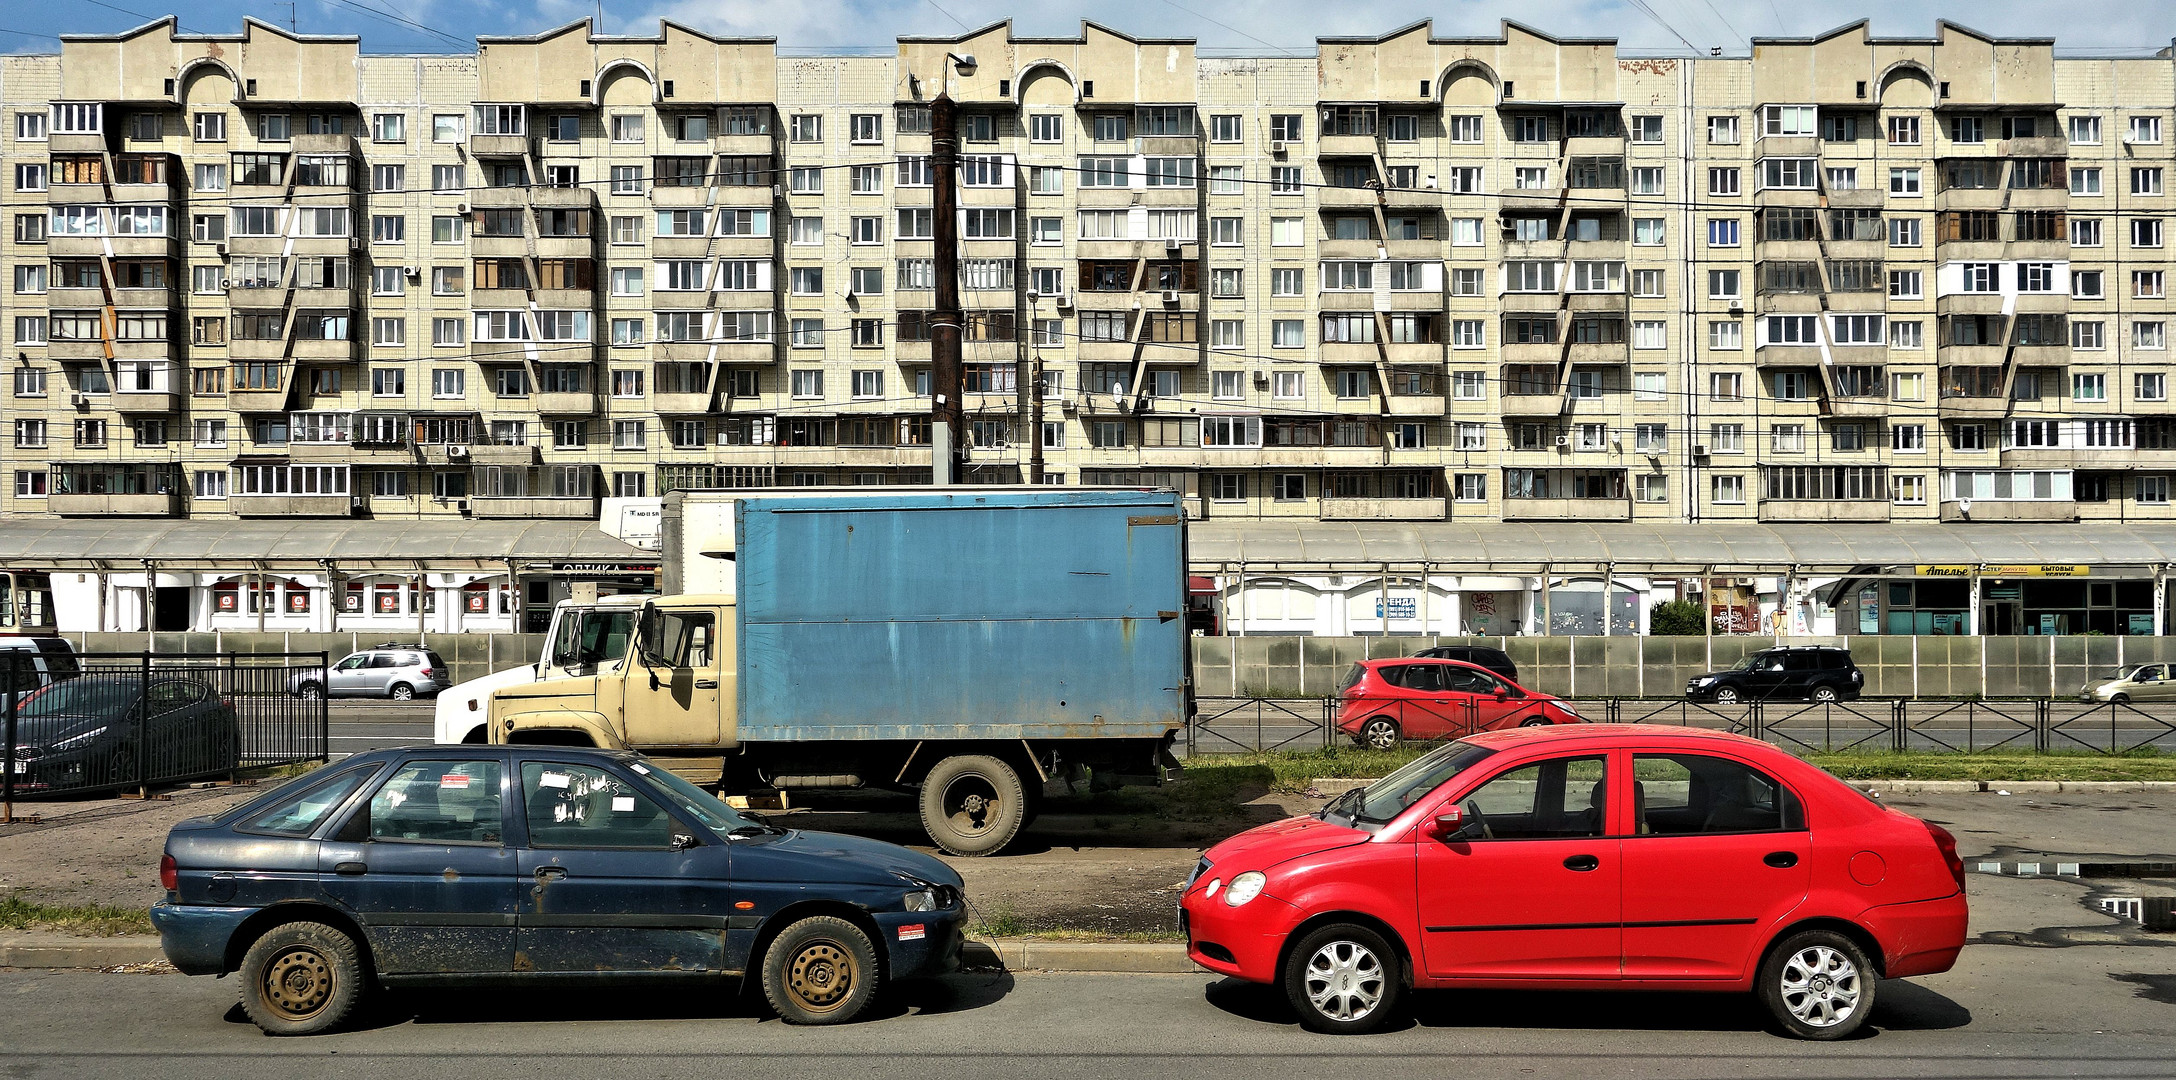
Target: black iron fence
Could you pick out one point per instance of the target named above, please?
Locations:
(2019, 725)
(106, 721)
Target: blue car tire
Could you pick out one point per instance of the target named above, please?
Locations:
(820, 970)
(301, 978)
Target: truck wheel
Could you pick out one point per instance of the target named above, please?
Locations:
(973, 804)
(301, 978)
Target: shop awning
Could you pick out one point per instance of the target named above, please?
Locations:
(310, 545)
(1297, 546)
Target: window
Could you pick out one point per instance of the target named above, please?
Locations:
(2152, 386)
(2146, 181)
(1723, 182)
(1904, 182)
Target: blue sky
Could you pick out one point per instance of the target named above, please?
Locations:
(1258, 27)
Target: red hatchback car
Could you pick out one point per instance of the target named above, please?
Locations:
(1618, 856)
(1384, 701)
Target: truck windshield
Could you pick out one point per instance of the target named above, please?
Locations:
(694, 801)
(589, 638)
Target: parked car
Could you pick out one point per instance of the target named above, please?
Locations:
(1820, 673)
(1385, 701)
(2132, 682)
(1495, 660)
(483, 863)
(392, 670)
(1616, 856)
(107, 730)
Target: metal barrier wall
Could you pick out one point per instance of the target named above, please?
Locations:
(106, 721)
(2022, 725)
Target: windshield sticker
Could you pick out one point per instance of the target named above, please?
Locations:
(640, 769)
(552, 779)
(454, 781)
(622, 804)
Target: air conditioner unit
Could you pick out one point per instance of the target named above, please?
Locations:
(220, 248)
(1067, 403)
(461, 505)
(1563, 442)
(1065, 299)
(1261, 380)
(1171, 296)
(1737, 307)
(412, 271)
(226, 284)
(461, 208)
(1279, 148)
(456, 452)
(1699, 449)
(355, 504)
(1172, 244)
(79, 400)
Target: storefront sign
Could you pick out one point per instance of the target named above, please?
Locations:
(1401, 607)
(2038, 570)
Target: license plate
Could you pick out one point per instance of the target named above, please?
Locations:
(22, 766)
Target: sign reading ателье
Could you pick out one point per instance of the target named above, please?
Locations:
(2036, 570)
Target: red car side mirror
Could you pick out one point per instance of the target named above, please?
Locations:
(1450, 820)
(1503, 692)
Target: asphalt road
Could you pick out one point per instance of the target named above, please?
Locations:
(361, 724)
(2007, 1012)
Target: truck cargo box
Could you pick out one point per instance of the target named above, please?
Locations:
(960, 614)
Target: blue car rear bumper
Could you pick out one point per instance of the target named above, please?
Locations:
(195, 936)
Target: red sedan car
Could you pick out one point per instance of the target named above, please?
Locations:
(1384, 701)
(1618, 856)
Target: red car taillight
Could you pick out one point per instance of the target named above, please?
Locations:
(1947, 844)
(169, 874)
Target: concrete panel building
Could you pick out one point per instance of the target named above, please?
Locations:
(1522, 278)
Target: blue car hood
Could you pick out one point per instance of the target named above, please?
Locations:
(820, 857)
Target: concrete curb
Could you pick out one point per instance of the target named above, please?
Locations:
(61, 952)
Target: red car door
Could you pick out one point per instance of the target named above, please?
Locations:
(1497, 703)
(1528, 889)
(1426, 709)
(1718, 857)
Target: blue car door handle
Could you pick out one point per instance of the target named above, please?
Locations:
(550, 873)
(350, 868)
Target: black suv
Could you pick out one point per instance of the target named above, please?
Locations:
(1811, 672)
(1477, 655)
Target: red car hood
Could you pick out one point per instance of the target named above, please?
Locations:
(1265, 846)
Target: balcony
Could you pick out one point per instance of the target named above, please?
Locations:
(320, 506)
(1346, 146)
(1530, 404)
(498, 145)
(479, 453)
(342, 143)
(59, 194)
(2044, 146)
(1858, 407)
(1567, 509)
(668, 402)
(1334, 509)
(579, 402)
(1844, 510)
(145, 401)
(531, 506)
(1346, 198)
(1549, 198)
(257, 401)
(1971, 407)
(1990, 510)
(155, 504)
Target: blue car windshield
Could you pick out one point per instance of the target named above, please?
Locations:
(694, 801)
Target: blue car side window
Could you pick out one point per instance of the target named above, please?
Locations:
(579, 806)
(436, 802)
(301, 815)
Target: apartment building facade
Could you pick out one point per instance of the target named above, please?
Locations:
(1520, 279)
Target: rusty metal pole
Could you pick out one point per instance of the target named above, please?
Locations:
(948, 417)
(7, 749)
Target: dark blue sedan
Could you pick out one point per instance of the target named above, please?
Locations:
(466, 863)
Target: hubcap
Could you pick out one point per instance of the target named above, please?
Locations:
(1821, 987)
(821, 976)
(1344, 981)
(297, 983)
(1381, 736)
(971, 805)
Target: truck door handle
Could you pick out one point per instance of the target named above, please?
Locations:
(350, 869)
(550, 873)
(706, 684)
(1781, 860)
(1582, 863)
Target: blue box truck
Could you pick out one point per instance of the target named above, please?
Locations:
(966, 644)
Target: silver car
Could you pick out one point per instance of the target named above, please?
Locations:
(2132, 682)
(396, 671)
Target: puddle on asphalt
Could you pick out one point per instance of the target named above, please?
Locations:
(2161, 988)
